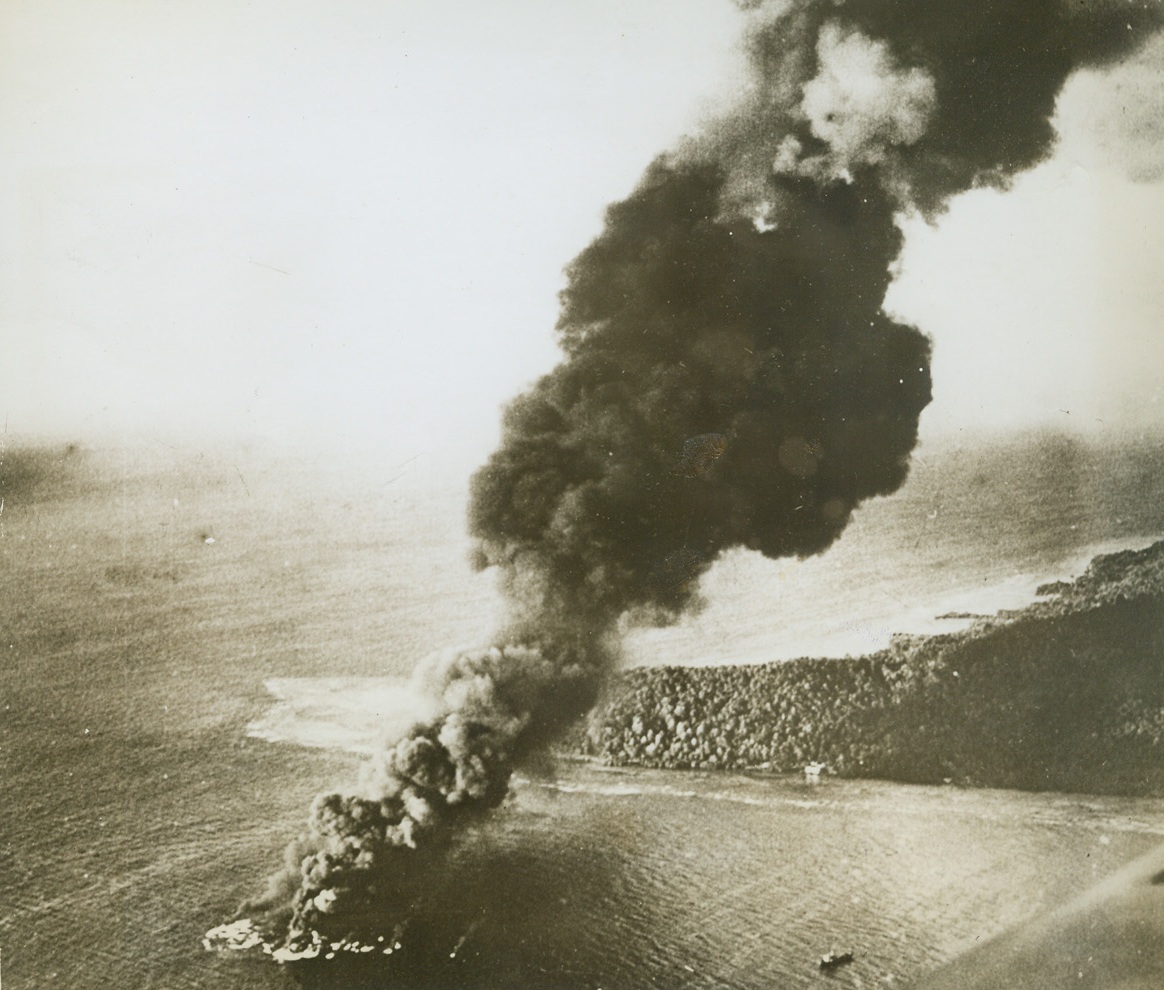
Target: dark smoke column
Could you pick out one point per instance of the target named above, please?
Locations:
(729, 380)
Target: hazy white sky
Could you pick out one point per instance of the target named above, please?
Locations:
(348, 220)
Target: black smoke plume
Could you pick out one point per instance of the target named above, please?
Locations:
(729, 380)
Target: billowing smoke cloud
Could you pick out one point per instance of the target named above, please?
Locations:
(860, 104)
(729, 380)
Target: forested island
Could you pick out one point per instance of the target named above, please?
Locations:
(1064, 694)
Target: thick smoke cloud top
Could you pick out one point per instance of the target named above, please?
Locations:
(729, 380)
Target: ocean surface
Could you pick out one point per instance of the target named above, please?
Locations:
(197, 642)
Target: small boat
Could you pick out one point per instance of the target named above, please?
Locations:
(834, 959)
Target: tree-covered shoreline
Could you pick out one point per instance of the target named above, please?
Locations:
(1065, 694)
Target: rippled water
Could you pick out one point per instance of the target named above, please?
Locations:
(653, 879)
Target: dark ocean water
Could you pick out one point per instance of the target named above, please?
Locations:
(153, 600)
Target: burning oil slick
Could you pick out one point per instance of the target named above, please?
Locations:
(501, 877)
(729, 380)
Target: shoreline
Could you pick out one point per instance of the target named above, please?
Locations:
(1065, 694)
(1059, 695)
(872, 624)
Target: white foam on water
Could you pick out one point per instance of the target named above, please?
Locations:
(1015, 592)
(816, 608)
(628, 790)
(353, 714)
